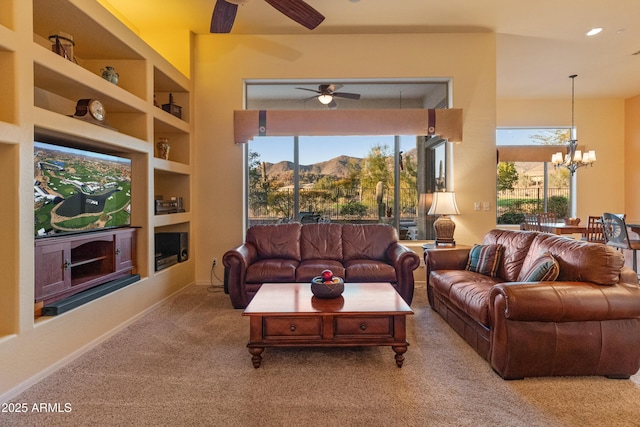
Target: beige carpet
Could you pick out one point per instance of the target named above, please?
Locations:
(185, 363)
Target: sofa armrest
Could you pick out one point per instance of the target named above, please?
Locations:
(236, 261)
(564, 328)
(446, 258)
(563, 302)
(627, 275)
(404, 261)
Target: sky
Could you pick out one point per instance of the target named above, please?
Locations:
(515, 136)
(274, 149)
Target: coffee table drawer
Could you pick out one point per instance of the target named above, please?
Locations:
(351, 326)
(291, 327)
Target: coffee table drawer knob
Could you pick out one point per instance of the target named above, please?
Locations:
(292, 328)
(363, 326)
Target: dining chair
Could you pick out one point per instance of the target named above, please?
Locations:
(531, 223)
(594, 230)
(547, 218)
(615, 233)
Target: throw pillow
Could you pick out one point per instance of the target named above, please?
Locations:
(543, 269)
(485, 259)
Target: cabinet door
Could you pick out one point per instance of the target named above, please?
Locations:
(53, 269)
(125, 250)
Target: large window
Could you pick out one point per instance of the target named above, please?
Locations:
(527, 182)
(361, 179)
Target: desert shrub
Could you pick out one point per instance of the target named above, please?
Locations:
(511, 218)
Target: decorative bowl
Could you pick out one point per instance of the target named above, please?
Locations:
(327, 290)
(572, 221)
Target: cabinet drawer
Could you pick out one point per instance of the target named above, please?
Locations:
(364, 326)
(291, 327)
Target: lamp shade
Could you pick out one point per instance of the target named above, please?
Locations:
(444, 203)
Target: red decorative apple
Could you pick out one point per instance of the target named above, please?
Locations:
(327, 275)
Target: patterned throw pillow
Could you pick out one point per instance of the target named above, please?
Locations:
(485, 259)
(543, 269)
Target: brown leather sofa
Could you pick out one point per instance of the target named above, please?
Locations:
(295, 252)
(586, 322)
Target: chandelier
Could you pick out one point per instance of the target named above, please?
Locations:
(574, 158)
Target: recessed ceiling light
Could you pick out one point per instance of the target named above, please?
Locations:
(594, 31)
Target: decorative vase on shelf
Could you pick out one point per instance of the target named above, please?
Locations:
(163, 148)
(109, 74)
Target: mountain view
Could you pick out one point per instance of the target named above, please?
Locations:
(338, 167)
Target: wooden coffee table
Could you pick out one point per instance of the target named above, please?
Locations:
(288, 315)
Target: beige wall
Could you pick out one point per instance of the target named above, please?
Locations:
(223, 61)
(600, 126)
(631, 158)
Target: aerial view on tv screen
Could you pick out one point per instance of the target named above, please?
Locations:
(79, 190)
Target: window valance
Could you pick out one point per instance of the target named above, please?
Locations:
(251, 123)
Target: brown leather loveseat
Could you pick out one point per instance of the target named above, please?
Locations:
(585, 322)
(295, 252)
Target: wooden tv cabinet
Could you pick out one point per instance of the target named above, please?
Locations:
(67, 265)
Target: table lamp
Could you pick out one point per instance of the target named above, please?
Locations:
(444, 204)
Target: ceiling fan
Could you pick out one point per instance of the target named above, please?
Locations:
(224, 13)
(327, 93)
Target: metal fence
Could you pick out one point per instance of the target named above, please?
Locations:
(513, 204)
(333, 205)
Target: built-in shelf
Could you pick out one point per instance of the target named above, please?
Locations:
(6, 17)
(165, 87)
(171, 219)
(8, 112)
(9, 133)
(39, 91)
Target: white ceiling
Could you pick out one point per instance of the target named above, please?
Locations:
(539, 43)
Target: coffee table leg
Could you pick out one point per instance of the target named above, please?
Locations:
(400, 350)
(256, 356)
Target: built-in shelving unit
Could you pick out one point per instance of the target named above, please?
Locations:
(40, 90)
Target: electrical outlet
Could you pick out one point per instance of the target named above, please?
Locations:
(215, 262)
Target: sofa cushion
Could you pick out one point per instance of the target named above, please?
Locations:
(272, 270)
(368, 241)
(544, 269)
(310, 268)
(579, 261)
(321, 241)
(467, 290)
(276, 241)
(516, 247)
(485, 259)
(367, 270)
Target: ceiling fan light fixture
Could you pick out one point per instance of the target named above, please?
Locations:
(325, 99)
(594, 31)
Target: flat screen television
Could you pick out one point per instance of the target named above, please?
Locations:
(77, 190)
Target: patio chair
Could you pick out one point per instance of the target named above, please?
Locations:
(615, 234)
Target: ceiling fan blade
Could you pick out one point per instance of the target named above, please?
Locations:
(332, 87)
(224, 14)
(346, 95)
(310, 90)
(332, 105)
(299, 11)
